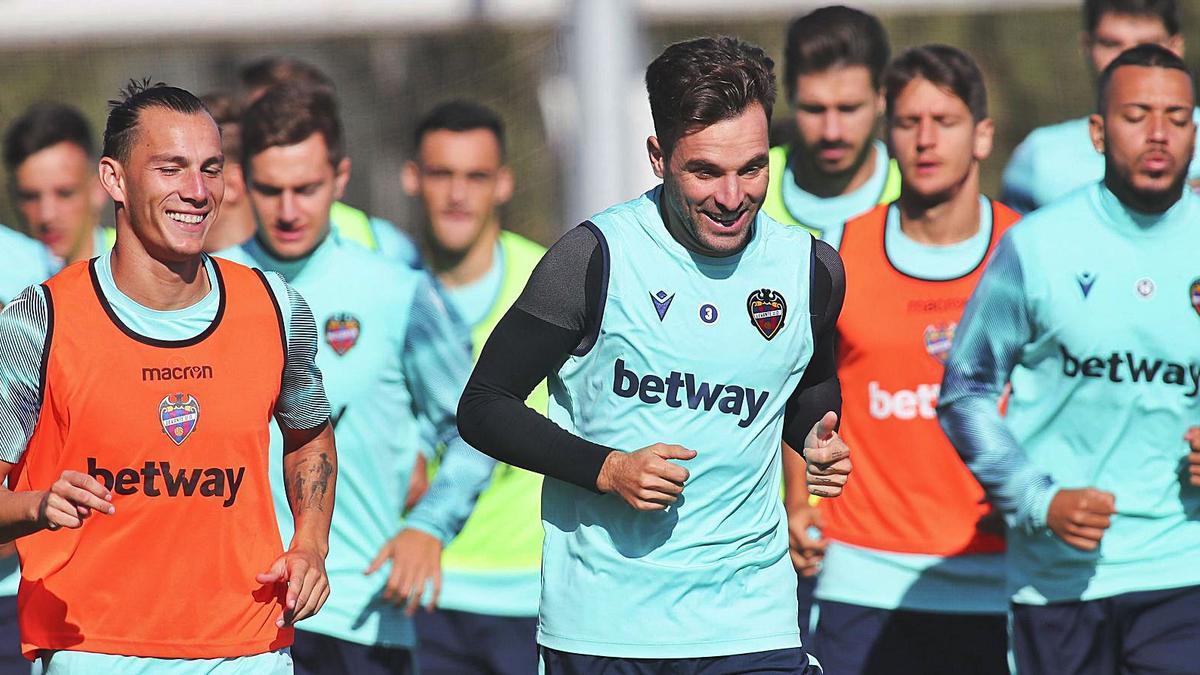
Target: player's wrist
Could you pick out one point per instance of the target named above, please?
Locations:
(310, 544)
(604, 479)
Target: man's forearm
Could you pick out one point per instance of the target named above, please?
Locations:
(310, 474)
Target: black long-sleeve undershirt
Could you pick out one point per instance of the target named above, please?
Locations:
(558, 314)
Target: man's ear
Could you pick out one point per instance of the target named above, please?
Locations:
(658, 159)
(341, 178)
(112, 179)
(1096, 130)
(410, 178)
(504, 185)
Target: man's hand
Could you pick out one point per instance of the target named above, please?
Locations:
(70, 500)
(303, 569)
(416, 561)
(828, 458)
(1080, 517)
(1193, 439)
(807, 551)
(645, 479)
(418, 483)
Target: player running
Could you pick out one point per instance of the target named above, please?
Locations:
(913, 576)
(390, 355)
(486, 619)
(1057, 159)
(134, 399)
(1090, 307)
(684, 334)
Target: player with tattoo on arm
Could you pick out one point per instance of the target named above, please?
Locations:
(136, 391)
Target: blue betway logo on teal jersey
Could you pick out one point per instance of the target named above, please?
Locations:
(678, 389)
(1128, 367)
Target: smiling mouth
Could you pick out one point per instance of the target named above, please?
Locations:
(186, 218)
(725, 220)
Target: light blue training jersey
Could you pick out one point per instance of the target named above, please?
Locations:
(1057, 159)
(390, 355)
(1094, 311)
(966, 584)
(700, 366)
(301, 403)
(829, 214)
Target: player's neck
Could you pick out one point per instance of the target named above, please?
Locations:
(1149, 204)
(455, 270)
(946, 221)
(825, 185)
(85, 249)
(236, 225)
(161, 285)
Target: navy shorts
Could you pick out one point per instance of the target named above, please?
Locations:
(463, 643)
(777, 662)
(856, 640)
(316, 654)
(11, 661)
(1131, 634)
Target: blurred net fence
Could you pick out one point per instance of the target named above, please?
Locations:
(1031, 59)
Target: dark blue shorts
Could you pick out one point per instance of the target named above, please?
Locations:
(11, 661)
(1133, 633)
(462, 643)
(777, 662)
(856, 640)
(316, 654)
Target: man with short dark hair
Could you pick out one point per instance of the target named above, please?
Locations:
(394, 362)
(1089, 307)
(135, 395)
(1057, 159)
(486, 620)
(685, 335)
(353, 224)
(235, 223)
(913, 573)
(834, 58)
(50, 157)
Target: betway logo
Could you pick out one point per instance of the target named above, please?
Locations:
(678, 389)
(1128, 367)
(217, 482)
(905, 404)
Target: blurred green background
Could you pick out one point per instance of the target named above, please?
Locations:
(1031, 59)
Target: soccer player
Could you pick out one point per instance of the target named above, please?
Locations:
(50, 158)
(486, 619)
(913, 575)
(391, 354)
(353, 224)
(134, 398)
(235, 223)
(1057, 159)
(836, 169)
(834, 58)
(1090, 308)
(684, 334)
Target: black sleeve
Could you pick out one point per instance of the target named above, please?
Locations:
(556, 315)
(819, 390)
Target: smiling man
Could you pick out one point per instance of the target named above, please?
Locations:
(1090, 307)
(685, 334)
(51, 162)
(106, 454)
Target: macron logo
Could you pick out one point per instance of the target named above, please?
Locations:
(678, 389)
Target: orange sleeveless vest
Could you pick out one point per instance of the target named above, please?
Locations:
(910, 492)
(179, 432)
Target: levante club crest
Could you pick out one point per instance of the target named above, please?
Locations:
(768, 311)
(179, 414)
(939, 337)
(341, 332)
(1194, 293)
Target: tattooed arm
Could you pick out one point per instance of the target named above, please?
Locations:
(310, 469)
(309, 462)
